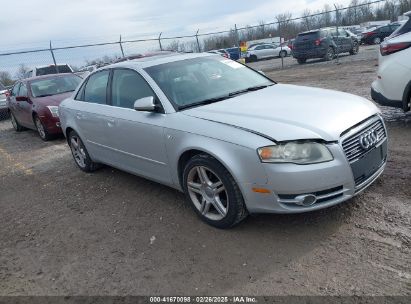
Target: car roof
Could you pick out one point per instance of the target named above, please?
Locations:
(48, 76)
(157, 60)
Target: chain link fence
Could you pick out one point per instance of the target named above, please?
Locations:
(14, 64)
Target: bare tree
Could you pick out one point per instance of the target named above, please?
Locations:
(22, 70)
(5, 79)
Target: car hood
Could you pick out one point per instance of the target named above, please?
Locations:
(53, 100)
(287, 112)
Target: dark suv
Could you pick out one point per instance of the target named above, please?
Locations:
(324, 43)
(377, 35)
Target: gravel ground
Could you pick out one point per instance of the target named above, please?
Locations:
(64, 232)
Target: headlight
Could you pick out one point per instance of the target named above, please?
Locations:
(54, 110)
(295, 152)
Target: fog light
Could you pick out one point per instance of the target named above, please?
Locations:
(306, 200)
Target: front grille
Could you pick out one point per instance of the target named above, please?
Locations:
(351, 145)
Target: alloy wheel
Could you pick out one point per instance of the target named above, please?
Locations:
(208, 193)
(40, 127)
(78, 151)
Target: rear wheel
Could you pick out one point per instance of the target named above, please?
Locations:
(17, 127)
(253, 58)
(41, 129)
(330, 54)
(213, 192)
(301, 60)
(80, 154)
(283, 54)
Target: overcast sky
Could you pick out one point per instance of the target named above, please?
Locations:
(31, 23)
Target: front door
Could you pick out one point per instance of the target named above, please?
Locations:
(135, 138)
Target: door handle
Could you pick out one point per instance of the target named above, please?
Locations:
(111, 122)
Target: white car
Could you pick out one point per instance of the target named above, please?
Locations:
(393, 85)
(262, 51)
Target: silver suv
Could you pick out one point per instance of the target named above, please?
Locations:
(232, 139)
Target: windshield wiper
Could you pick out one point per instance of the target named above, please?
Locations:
(255, 88)
(204, 102)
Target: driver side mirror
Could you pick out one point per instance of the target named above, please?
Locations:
(145, 104)
(22, 98)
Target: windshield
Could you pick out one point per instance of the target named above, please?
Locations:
(54, 86)
(202, 80)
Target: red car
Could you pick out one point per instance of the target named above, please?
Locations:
(33, 102)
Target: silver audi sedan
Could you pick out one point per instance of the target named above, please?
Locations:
(234, 141)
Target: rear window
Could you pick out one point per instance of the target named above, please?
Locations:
(405, 28)
(2, 87)
(53, 70)
(308, 36)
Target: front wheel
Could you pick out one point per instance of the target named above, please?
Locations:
(80, 154)
(330, 54)
(355, 49)
(213, 192)
(41, 129)
(301, 60)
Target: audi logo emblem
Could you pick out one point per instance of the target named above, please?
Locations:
(369, 139)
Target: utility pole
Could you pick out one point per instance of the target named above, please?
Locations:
(54, 58)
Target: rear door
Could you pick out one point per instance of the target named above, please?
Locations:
(24, 106)
(91, 114)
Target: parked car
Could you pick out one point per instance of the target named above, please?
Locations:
(376, 35)
(221, 52)
(144, 55)
(48, 69)
(404, 28)
(235, 53)
(324, 43)
(33, 102)
(393, 85)
(264, 51)
(3, 98)
(232, 139)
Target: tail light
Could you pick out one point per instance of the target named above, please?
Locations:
(318, 41)
(7, 93)
(390, 48)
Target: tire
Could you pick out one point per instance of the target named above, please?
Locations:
(17, 127)
(283, 54)
(205, 179)
(253, 58)
(41, 129)
(376, 40)
(301, 60)
(355, 49)
(80, 153)
(330, 54)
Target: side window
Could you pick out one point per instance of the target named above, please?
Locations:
(15, 89)
(23, 90)
(259, 48)
(127, 87)
(95, 90)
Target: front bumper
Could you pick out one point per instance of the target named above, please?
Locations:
(330, 183)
